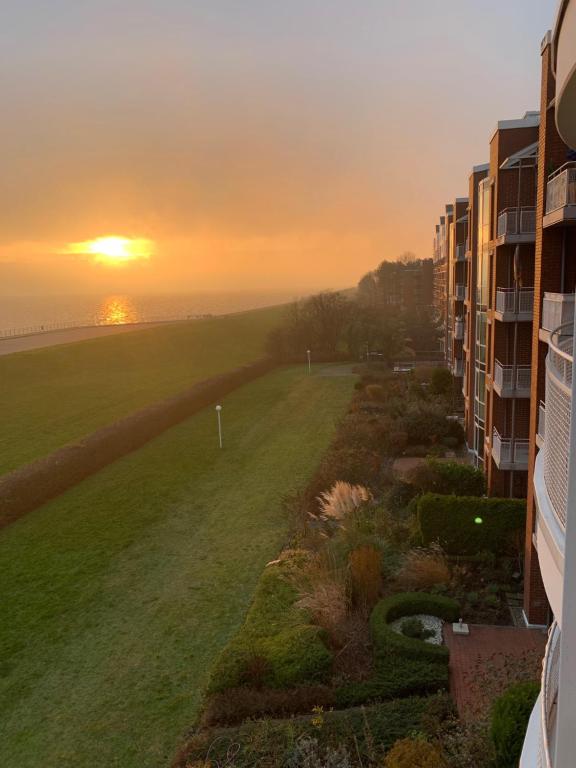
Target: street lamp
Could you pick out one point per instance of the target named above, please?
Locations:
(219, 415)
(309, 353)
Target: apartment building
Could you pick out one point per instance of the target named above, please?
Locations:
(551, 526)
(441, 278)
(456, 246)
(479, 172)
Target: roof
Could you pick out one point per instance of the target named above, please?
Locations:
(481, 168)
(529, 152)
(531, 119)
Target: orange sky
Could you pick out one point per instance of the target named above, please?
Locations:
(261, 145)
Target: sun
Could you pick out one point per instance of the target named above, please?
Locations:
(114, 250)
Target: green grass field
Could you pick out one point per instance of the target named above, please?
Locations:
(117, 596)
(49, 397)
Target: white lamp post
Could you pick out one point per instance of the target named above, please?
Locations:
(309, 354)
(219, 415)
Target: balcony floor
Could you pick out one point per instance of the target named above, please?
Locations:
(564, 215)
(487, 647)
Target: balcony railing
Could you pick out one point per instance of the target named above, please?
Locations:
(561, 189)
(458, 368)
(508, 452)
(515, 301)
(556, 450)
(461, 252)
(541, 431)
(460, 291)
(459, 329)
(512, 380)
(557, 310)
(517, 221)
(549, 697)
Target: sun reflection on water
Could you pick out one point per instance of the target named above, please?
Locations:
(117, 310)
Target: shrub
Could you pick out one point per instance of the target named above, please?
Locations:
(423, 569)
(441, 382)
(448, 477)
(289, 649)
(375, 391)
(324, 595)
(386, 641)
(366, 575)
(465, 525)
(414, 753)
(342, 500)
(510, 715)
(415, 628)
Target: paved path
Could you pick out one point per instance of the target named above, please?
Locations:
(478, 662)
(67, 336)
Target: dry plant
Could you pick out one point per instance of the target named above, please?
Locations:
(366, 575)
(423, 568)
(342, 500)
(324, 594)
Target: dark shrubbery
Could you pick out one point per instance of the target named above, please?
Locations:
(510, 715)
(465, 525)
(448, 477)
(441, 382)
(387, 642)
(277, 646)
(365, 731)
(415, 753)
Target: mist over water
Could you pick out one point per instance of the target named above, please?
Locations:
(116, 309)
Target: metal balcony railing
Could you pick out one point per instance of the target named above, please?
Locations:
(458, 368)
(542, 420)
(460, 291)
(461, 252)
(517, 221)
(459, 329)
(515, 300)
(561, 188)
(559, 365)
(549, 697)
(557, 310)
(509, 379)
(509, 451)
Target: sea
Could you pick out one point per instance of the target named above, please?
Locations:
(43, 313)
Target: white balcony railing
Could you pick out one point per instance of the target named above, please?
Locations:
(541, 421)
(549, 697)
(515, 301)
(557, 310)
(460, 291)
(459, 329)
(511, 379)
(561, 189)
(458, 368)
(461, 252)
(517, 221)
(558, 413)
(509, 452)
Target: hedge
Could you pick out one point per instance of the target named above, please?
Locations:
(448, 477)
(26, 488)
(276, 639)
(386, 641)
(466, 525)
(509, 720)
(363, 731)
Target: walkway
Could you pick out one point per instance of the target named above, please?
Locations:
(67, 336)
(488, 660)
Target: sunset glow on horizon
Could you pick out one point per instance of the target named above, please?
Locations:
(114, 250)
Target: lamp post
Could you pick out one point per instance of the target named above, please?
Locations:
(219, 415)
(309, 353)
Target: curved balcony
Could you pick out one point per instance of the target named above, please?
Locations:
(551, 468)
(564, 41)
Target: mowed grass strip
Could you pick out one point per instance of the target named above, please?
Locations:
(116, 597)
(49, 397)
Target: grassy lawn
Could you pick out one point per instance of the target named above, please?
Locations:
(49, 397)
(117, 596)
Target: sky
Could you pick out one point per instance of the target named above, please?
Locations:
(260, 144)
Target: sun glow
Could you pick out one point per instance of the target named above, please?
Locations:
(114, 250)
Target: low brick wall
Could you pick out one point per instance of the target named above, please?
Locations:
(27, 487)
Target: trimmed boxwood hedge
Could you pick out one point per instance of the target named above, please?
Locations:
(467, 525)
(509, 720)
(386, 641)
(276, 637)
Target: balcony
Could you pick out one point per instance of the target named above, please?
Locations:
(458, 368)
(459, 291)
(509, 453)
(557, 310)
(551, 467)
(561, 196)
(516, 225)
(514, 304)
(541, 428)
(511, 380)
(564, 45)
(459, 329)
(461, 252)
